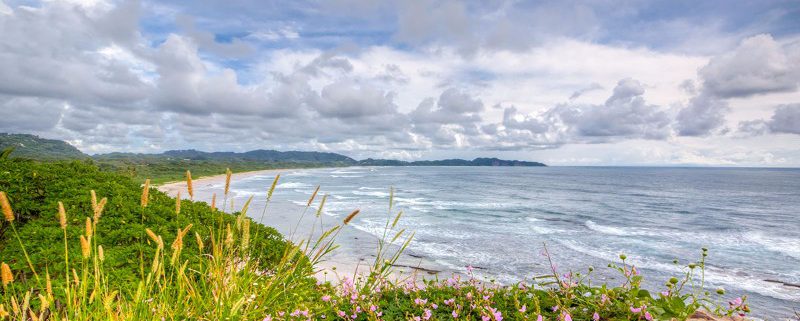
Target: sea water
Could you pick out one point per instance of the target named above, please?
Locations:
(499, 219)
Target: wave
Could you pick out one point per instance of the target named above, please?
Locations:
(620, 231)
(347, 176)
(783, 245)
(714, 276)
(375, 193)
(293, 185)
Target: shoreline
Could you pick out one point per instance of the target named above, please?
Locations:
(357, 248)
(172, 188)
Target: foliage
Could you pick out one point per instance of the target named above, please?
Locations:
(226, 275)
(36, 188)
(31, 146)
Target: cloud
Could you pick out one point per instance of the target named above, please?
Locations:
(784, 120)
(395, 78)
(205, 40)
(593, 86)
(701, 116)
(759, 65)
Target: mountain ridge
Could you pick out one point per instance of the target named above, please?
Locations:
(32, 146)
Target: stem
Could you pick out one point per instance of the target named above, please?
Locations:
(30, 264)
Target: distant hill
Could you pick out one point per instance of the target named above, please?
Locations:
(171, 165)
(449, 162)
(34, 147)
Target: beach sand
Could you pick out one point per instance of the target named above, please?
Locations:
(357, 249)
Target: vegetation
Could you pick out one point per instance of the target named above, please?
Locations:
(36, 189)
(136, 254)
(170, 165)
(30, 146)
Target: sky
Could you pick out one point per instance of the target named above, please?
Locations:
(694, 83)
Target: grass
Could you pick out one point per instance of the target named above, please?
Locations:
(203, 264)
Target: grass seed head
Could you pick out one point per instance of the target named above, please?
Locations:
(62, 216)
(146, 193)
(85, 249)
(178, 203)
(227, 180)
(189, 184)
(351, 216)
(5, 273)
(7, 212)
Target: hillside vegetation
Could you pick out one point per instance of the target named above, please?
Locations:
(170, 165)
(132, 253)
(31, 146)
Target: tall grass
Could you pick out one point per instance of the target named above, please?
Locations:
(229, 283)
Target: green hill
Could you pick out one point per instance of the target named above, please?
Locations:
(35, 188)
(34, 147)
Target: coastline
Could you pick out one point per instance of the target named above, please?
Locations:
(172, 188)
(357, 248)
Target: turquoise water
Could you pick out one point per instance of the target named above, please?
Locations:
(498, 218)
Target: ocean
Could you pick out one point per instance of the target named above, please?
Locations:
(498, 219)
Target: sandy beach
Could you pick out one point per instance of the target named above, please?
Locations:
(173, 188)
(357, 249)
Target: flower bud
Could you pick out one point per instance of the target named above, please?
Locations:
(673, 280)
(623, 257)
(720, 291)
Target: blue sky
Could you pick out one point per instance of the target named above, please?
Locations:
(564, 82)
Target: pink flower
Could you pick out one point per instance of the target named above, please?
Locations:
(555, 308)
(486, 318)
(372, 308)
(326, 298)
(455, 314)
(736, 302)
(419, 301)
(567, 317)
(427, 314)
(470, 268)
(595, 317)
(268, 318)
(648, 316)
(636, 310)
(539, 318)
(523, 309)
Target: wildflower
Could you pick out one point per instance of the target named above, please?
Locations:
(427, 315)
(596, 317)
(470, 268)
(555, 308)
(647, 316)
(539, 318)
(636, 310)
(326, 298)
(372, 308)
(455, 314)
(419, 301)
(268, 318)
(523, 308)
(434, 306)
(736, 302)
(567, 317)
